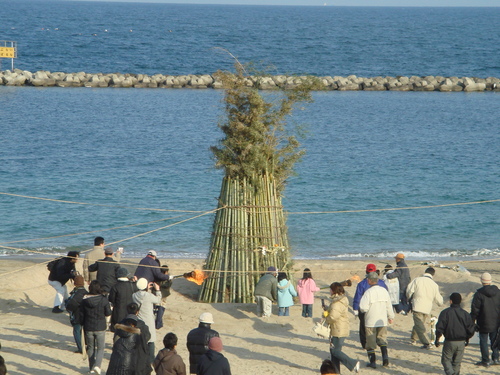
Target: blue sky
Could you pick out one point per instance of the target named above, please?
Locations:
(473, 3)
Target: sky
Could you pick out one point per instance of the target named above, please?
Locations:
(411, 3)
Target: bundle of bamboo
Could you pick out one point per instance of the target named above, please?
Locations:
(249, 235)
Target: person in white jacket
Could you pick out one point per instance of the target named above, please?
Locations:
(423, 292)
(376, 304)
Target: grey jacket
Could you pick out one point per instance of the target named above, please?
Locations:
(267, 287)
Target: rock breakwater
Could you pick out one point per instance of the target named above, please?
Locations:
(44, 78)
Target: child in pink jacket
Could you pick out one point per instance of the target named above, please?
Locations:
(306, 288)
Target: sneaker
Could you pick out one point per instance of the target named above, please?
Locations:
(427, 346)
(356, 368)
(483, 364)
(57, 310)
(495, 362)
(96, 370)
(414, 342)
(402, 312)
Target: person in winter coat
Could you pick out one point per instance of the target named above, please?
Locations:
(286, 292)
(61, 270)
(213, 362)
(168, 362)
(337, 318)
(93, 312)
(123, 359)
(147, 301)
(149, 268)
(402, 273)
(361, 288)
(92, 256)
(198, 339)
(423, 292)
(378, 313)
(306, 287)
(73, 307)
(485, 312)
(455, 324)
(120, 296)
(106, 269)
(266, 292)
(143, 361)
(392, 286)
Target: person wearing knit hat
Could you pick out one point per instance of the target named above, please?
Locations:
(485, 312)
(120, 296)
(402, 273)
(266, 291)
(73, 307)
(361, 288)
(198, 340)
(455, 324)
(213, 362)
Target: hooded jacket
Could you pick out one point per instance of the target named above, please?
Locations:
(146, 313)
(455, 324)
(168, 362)
(213, 363)
(93, 312)
(485, 308)
(338, 318)
(286, 292)
(73, 304)
(197, 343)
(123, 359)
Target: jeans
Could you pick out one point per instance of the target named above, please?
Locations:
(485, 348)
(284, 311)
(152, 354)
(61, 293)
(77, 334)
(307, 311)
(95, 341)
(337, 355)
(403, 303)
(264, 306)
(451, 358)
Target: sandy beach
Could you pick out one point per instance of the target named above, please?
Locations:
(36, 341)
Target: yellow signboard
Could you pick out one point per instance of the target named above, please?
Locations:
(8, 52)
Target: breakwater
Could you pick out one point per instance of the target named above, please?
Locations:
(43, 78)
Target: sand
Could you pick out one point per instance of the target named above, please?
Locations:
(36, 341)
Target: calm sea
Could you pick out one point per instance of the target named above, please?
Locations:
(139, 158)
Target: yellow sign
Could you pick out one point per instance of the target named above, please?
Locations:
(8, 52)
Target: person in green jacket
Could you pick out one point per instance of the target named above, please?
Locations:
(266, 292)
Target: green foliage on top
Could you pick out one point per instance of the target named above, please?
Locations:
(256, 140)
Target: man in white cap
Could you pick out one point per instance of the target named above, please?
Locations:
(149, 268)
(485, 312)
(198, 339)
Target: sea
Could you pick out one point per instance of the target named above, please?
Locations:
(383, 172)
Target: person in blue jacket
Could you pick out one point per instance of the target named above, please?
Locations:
(286, 292)
(360, 290)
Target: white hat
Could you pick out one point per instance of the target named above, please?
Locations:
(206, 317)
(153, 253)
(142, 283)
(486, 278)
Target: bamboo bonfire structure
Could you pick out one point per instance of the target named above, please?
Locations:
(257, 155)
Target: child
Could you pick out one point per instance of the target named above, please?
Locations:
(168, 361)
(286, 292)
(306, 288)
(73, 306)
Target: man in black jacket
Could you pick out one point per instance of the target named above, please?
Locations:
(198, 339)
(61, 270)
(456, 325)
(107, 270)
(485, 312)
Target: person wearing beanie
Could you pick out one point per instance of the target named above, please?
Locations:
(213, 361)
(485, 312)
(455, 324)
(402, 273)
(120, 296)
(266, 292)
(423, 292)
(106, 269)
(73, 307)
(198, 340)
(360, 290)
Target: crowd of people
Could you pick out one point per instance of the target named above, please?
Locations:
(132, 306)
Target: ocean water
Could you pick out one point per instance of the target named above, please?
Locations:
(134, 165)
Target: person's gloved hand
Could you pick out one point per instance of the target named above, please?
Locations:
(356, 312)
(437, 343)
(325, 314)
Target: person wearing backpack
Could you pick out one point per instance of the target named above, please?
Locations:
(73, 307)
(61, 270)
